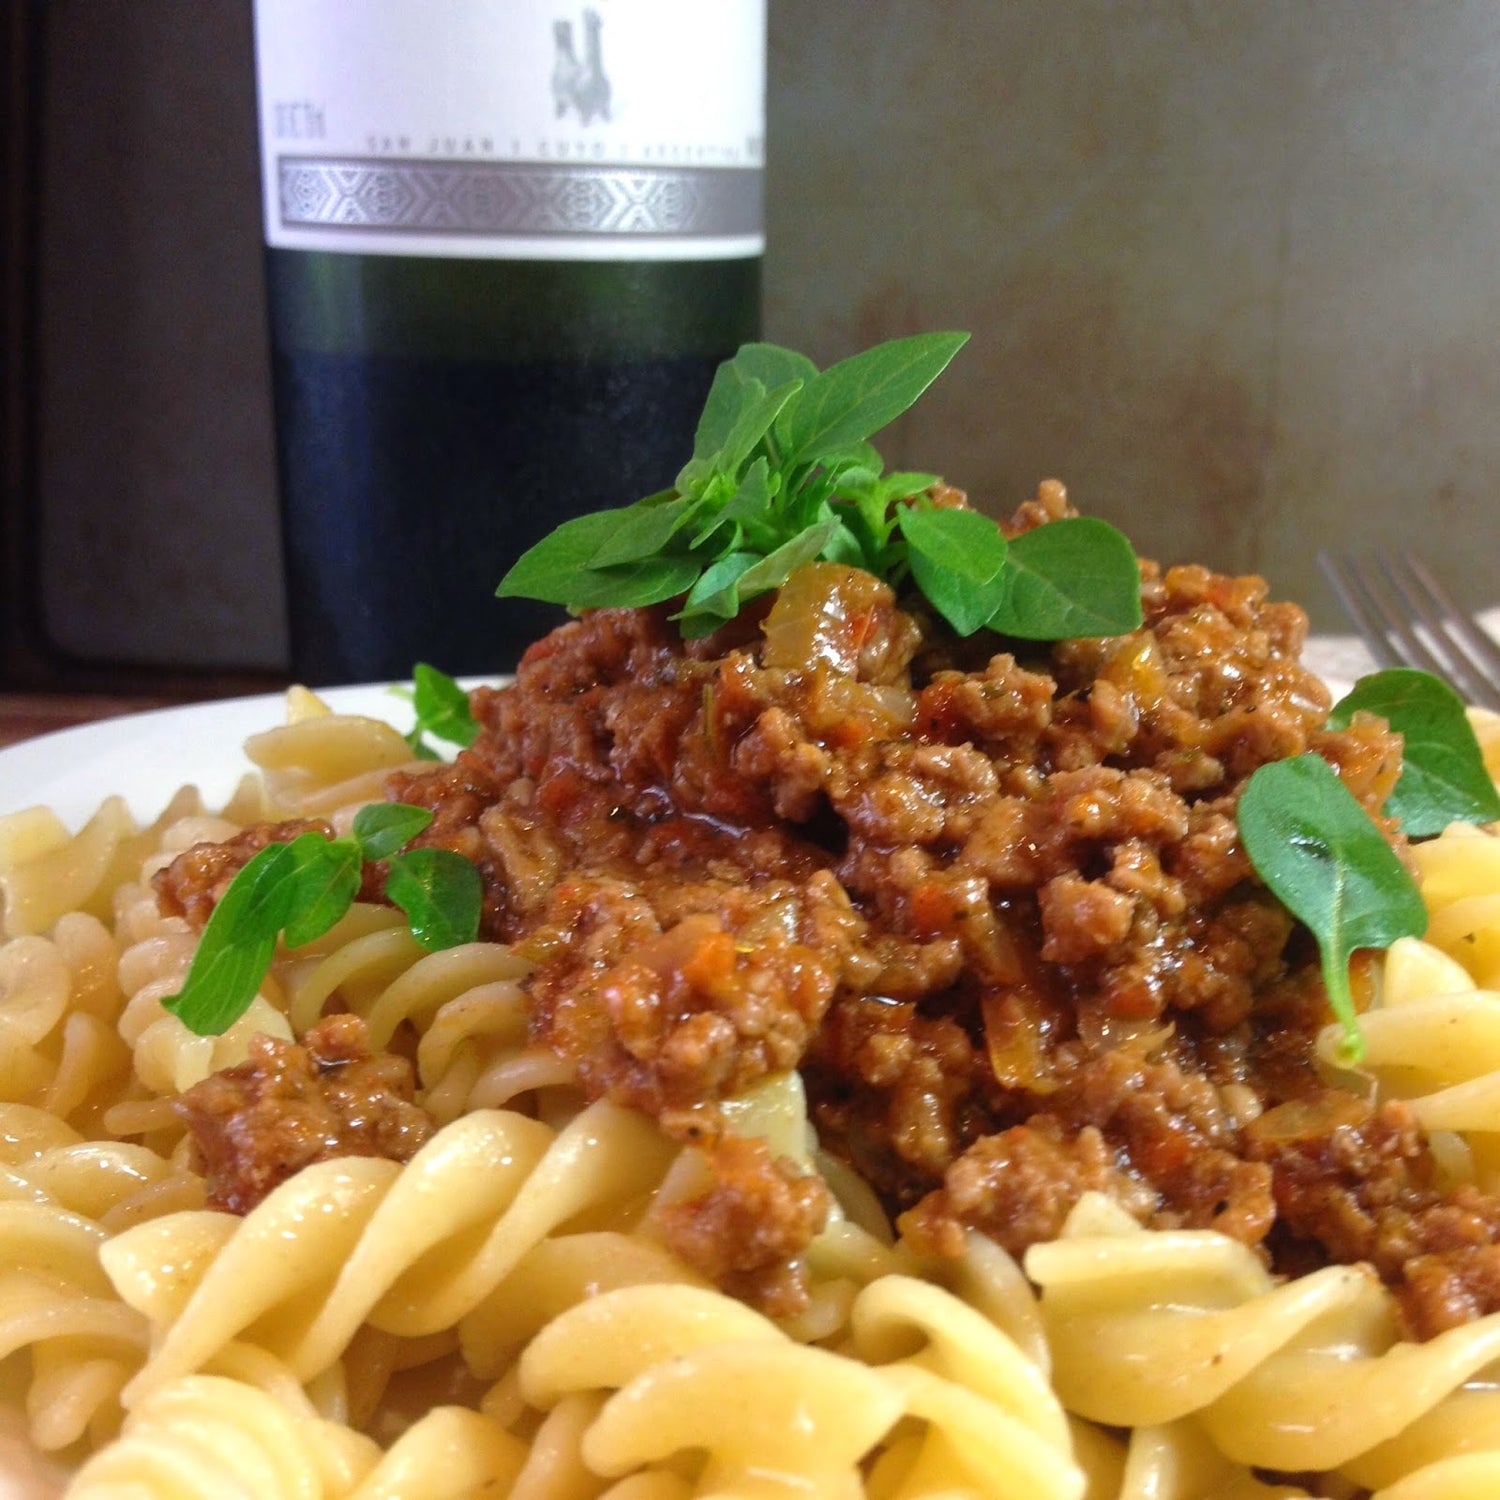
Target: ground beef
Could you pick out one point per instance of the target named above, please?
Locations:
(748, 1229)
(988, 895)
(1355, 1182)
(288, 1106)
(698, 1011)
(1017, 1186)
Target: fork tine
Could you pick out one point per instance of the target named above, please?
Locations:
(1474, 659)
(1407, 618)
(1367, 613)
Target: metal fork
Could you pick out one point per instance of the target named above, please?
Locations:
(1408, 619)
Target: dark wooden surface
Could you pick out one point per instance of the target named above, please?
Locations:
(23, 715)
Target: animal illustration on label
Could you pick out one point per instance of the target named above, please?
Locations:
(580, 84)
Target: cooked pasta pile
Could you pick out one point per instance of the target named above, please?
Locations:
(498, 1316)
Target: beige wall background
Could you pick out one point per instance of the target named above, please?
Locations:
(1231, 271)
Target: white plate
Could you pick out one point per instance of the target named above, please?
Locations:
(146, 757)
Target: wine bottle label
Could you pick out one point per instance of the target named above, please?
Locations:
(513, 129)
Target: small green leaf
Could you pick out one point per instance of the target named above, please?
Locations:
(441, 894)
(854, 399)
(844, 545)
(323, 885)
(964, 542)
(643, 529)
(903, 485)
(958, 560)
(633, 585)
(741, 576)
(1328, 864)
(442, 708)
(381, 828)
(1071, 578)
(548, 570)
(1443, 778)
(237, 943)
(773, 570)
(715, 597)
(772, 365)
(728, 395)
(851, 466)
(745, 511)
(754, 422)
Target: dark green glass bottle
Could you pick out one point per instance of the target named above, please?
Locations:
(438, 411)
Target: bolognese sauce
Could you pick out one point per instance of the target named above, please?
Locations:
(987, 896)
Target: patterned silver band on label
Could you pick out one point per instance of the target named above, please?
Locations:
(517, 198)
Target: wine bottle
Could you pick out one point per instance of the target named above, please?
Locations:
(507, 245)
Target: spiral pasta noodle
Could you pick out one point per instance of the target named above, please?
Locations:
(1149, 1329)
(57, 1305)
(691, 1371)
(411, 1250)
(208, 1437)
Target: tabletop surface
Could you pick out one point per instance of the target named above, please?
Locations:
(23, 715)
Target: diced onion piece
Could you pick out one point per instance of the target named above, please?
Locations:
(823, 615)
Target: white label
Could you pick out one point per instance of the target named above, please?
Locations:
(513, 129)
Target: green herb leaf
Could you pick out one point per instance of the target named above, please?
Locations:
(381, 828)
(1072, 578)
(1327, 863)
(773, 570)
(442, 709)
(235, 948)
(721, 410)
(958, 560)
(297, 891)
(746, 516)
(715, 598)
(902, 486)
(550, 570)
(1443, 777)
(772, 365)
(759, 412)
(782, 472)
(739, 384)
(642, 530)
(323, 886)
(846, 546)
(441, 894)
(855, 398)
(652, 580)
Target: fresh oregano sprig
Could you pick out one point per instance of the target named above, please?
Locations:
(782, 473)
(442, 710)
(1326, 861)
(295, 892)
